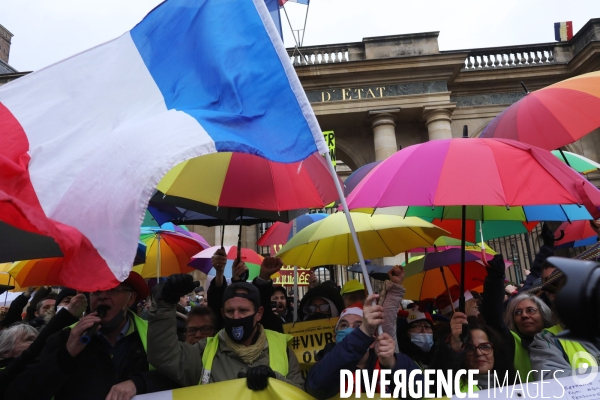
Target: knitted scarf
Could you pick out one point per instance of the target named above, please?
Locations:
(248, 353)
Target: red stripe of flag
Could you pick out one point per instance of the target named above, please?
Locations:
(20, 207)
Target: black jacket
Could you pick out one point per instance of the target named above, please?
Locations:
(14, 311)
(14, 366)
(91, 374)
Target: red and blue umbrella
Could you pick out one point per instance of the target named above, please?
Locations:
(576, 234)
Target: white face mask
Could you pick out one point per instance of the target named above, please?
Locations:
(423, 340)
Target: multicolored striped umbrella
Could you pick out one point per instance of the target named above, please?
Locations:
(520, 182)
(39, 272)
(551, 117)
(167, 253)
(499, 180)
(246, 181)
(202, 260)
(422, 282)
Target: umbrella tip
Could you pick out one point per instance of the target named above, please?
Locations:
(465, 131)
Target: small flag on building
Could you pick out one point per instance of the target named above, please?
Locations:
(563, 31)
(282, 2)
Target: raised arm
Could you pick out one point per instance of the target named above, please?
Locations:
(182, 362)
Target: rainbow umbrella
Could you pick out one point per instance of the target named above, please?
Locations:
(245, 181)
(39, 272)
(167, 253)
(253, 260)
(576, 234)
(551, 117)
(514, 181)
(423, 282)
(578, 162)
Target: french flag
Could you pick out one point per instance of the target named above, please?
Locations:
(563, 31)
(84, 142)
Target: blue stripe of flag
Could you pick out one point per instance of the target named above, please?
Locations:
(215, 61)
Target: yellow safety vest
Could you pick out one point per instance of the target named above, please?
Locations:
(278, 359)
(521, 361)
(463, 388)
(571, 348)
(141, 327)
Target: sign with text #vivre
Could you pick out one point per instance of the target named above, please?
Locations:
(310, 337)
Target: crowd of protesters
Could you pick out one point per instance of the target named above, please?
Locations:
(117, 343)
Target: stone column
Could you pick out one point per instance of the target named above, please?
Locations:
(437, 120)
(384, 133)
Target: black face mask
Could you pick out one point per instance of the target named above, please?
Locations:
(240, 329)
(317, 315)
(113, 324)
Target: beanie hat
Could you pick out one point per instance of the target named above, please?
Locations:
(65, 292)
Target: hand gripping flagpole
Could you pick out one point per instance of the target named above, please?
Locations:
(363, 266)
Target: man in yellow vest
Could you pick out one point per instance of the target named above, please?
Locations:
(242, 349)
(111, 364)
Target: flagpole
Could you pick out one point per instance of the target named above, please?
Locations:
(295, 41)
(361, 259)
(294, 228)
(304, 29)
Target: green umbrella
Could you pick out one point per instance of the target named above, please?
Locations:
(578, 162)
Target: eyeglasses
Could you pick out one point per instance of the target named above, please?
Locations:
(111, 292)
(528, 311)
(205, 330)
(320, 307)
(425, 327)
(485, 348)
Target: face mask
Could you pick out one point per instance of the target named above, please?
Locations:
(114, 323)
(239, 330)
(59, 308)
(341, 334)
(423, 340)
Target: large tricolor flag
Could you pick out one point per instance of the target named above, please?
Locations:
(84, 142)
(563, 31)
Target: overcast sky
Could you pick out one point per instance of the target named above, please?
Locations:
(47, 31)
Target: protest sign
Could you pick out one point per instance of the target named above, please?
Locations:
(310, 337)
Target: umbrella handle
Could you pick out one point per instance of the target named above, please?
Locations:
(483, 259)
(562, 235)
